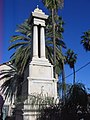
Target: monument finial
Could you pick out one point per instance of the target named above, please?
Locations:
(37, 6)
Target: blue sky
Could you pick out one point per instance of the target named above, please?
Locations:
(76, 15)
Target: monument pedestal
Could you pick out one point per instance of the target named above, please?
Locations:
(25, 111)
(39, 83)
(41, 79)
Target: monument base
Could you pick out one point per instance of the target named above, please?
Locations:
(25, 111)
(40, 80)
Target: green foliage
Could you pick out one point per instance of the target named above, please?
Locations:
(55, 4)
(74, 108)
(76, 103)
(22, 45)
(60, 86)
(77, 95)
(70, 58)
(50, 113)
(12, 80)
(58, 40)
(86, 40)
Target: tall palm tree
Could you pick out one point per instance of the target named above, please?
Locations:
(86, 40)
(58, 41)
(71, 58)
(53, 6)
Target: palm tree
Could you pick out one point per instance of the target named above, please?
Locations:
(71, 60)
(58, 39)
(66, 88)
(22, 45)
(86, 40)
(53, 6)
(12, 81)
(77, 94)
(76, 102)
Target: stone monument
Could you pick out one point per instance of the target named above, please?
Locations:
(40, 79)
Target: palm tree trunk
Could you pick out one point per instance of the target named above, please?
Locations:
(73, 75)
(63, 83)
(54, 43)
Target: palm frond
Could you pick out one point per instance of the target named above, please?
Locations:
(86, 40)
